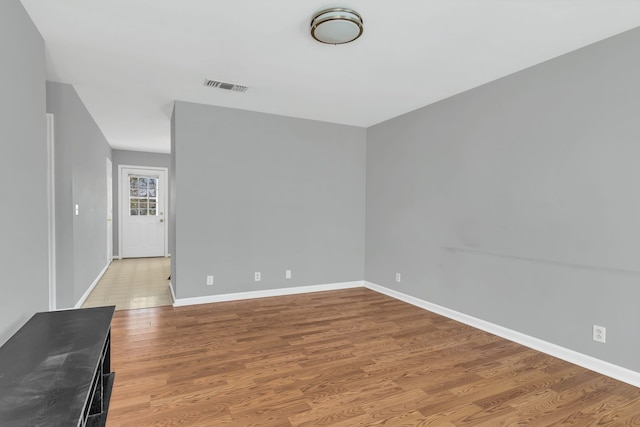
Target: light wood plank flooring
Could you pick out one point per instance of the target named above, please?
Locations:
(133, 283)
(342, 358)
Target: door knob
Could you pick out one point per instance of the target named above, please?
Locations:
(161, 219)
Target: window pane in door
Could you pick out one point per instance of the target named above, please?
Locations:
(143, 195)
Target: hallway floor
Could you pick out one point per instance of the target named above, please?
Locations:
(133, 283)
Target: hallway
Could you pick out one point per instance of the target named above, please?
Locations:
(133, 283)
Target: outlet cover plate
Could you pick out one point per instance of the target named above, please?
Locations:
(599, 334)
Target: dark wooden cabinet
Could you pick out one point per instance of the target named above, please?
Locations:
(56, 370)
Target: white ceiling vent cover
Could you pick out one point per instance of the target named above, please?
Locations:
(226, 86)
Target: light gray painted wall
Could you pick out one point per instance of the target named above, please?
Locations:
(260, 192)
(23, 166)
(518, 202)
(64, 205)
(81, 153)
(131, 158)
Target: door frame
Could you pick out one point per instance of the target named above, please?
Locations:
(121, 209)
(109, 211)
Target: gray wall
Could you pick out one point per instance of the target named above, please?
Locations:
(259, 192)
(81, 153)
(518, 202)
(131, 158)
(23, 166)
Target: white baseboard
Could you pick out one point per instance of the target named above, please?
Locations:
(173, 294)
(266, 293)
(623, 374)
(84, 297)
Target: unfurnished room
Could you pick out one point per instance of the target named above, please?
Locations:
(418, 213)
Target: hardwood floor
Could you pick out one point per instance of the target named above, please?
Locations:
(342, 358)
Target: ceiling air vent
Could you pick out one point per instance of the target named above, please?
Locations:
(226, 86)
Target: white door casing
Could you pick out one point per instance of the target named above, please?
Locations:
(142, 213)
(109, 211)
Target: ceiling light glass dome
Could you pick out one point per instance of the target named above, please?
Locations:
(336, 26)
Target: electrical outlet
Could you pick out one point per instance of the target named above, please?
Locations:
(209, 280)
(287, 274)
(256, 276)
(398, 277)
(599, 333)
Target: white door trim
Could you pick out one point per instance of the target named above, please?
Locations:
(109, 211)
(51, 208)
(121, 209)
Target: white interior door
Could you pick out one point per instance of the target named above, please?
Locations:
(109, 210)
(142, 213)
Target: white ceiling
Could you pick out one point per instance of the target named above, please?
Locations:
(129, 59)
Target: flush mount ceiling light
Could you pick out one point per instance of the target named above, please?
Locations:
(336, 26)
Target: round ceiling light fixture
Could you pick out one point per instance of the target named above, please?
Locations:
(336, 26)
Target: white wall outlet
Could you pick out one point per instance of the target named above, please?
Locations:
(599, 333)
(398, 277)
(287, 274)
(256, 276)
(209, 280)
(77, 209)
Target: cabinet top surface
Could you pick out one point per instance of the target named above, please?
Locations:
(47, 367)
